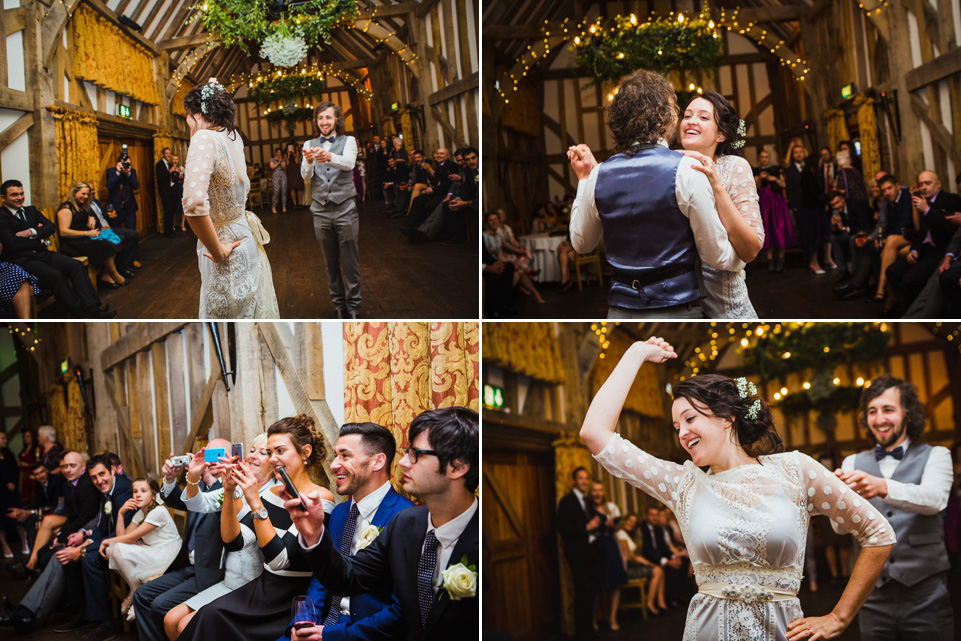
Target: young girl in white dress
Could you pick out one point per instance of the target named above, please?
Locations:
(745, 519)
(143, 550)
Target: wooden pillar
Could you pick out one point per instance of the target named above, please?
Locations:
(105, 433)
(255, 383)
(43, 135)
(909, 154)
(424, 85)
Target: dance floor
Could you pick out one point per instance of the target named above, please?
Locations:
(793, 293)
(398, 280)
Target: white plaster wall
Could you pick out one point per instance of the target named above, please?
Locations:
(15, 4)
(915, 40)
(15, 64)
(15, 159)
(333, 336)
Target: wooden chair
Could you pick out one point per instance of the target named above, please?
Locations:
(256, 194)
(593, 258)
(641, 586)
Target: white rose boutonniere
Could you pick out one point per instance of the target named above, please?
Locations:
(107, 508)
(368, 533)
(460, 580)
(220, 498)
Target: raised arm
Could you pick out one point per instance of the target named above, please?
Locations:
(601, 419)
(828, 495)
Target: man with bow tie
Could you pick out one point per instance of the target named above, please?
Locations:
(909, 482)
(329, 164)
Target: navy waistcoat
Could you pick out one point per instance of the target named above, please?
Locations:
(645, 234)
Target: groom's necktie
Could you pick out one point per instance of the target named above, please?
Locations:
(334, 615)
(425, 576)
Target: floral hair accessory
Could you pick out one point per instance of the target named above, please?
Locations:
(208, 91)
(745, 388)
(741, 135)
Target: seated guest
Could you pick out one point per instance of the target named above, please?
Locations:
(139, 562)
(80, 504)
(243, 561)
(81, 234)
(365, 453)
(51, 451)
(493, 246)
(422, 546)
(128, 257)
(949, 277)
(512, 250)
(849, 181)
(461, 208)
(260, 610)
(417, 181)
(909, 274)
(47, 495)
(841, 236)
(638, 567)
(22, 233)
(76, 575)
(17, 288)
(498, 284)
(122, 181)
(896, 226)
(566, 256)
(424, 205)
(399, 171)
(198, 564)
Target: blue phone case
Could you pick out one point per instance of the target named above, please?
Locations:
(213, 455)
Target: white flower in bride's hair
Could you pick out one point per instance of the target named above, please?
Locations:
(460, 580)
(368, 533)
(284, 50)
(741, 135)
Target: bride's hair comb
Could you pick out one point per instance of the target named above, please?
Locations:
(745, 388)
(208, 91)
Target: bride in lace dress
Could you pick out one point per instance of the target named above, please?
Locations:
(744, 518)
(711, 133)
(236, 280)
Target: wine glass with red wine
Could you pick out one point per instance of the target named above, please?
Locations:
(303, 614)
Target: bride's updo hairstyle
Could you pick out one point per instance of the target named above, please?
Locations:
(220, 109)
(727, 121)
(302, 432)
(720, 396)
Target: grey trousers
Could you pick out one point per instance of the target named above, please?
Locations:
(921, 612)
(45, 593)
(337, 228)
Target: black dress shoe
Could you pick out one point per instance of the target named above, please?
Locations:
(103, 632)
(23, 624)
(101, 283)
(21, 571)
(840, 290)
(8, 607)
(127, 273)
(853, 294)
(76, 623)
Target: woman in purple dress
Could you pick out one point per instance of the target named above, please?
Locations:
(778, 228)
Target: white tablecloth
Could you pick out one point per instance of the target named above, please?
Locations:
(544, 250)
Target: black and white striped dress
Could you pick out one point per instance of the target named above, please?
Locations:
(260, 610)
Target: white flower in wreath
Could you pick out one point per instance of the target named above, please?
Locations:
(368, 533)
(107, 508)
(460, 580)
(284, 50)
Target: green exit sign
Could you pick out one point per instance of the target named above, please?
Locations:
(65, 366)
(123, 111)
(847, 91)
(394, 106)
(493, 396)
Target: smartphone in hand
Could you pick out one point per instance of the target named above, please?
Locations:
(289, 486)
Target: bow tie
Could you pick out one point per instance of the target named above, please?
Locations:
(880, 453)
(322, 139)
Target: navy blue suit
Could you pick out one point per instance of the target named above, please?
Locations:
(121, 188)
(373, 615)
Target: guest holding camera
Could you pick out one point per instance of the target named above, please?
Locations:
(122, 181)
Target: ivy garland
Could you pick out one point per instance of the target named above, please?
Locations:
(243, 22)
(286, 87)
(659, 45)
(290, 115)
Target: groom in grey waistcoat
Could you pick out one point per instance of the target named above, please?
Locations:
(909, 483)
(329, 166)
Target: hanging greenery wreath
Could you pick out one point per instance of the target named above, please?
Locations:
(286, 87)
(816, 346)
(290, 115)
(661, 45)
(246, 22)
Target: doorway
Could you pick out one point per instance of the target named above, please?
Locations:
(141, 155)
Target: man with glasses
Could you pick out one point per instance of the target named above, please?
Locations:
(428, 554)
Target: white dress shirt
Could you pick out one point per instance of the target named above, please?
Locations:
(366, 508)
(695, 199)
(930, 496)
(13, 212)
(447, 535)
(344, 162)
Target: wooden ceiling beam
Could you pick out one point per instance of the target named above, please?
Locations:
(401, 9)
(184, 42)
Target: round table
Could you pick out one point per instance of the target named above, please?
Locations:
(544, 251)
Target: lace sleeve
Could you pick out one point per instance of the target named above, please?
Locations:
(653, 476)
(828, 495)
(200, 166)
(743, 192)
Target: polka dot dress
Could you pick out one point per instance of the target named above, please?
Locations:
(11, 278)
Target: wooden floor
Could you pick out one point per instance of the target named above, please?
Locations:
(398, 280)
(793, 293)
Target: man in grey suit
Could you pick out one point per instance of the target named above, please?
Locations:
(329, 164)
(909, 483)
